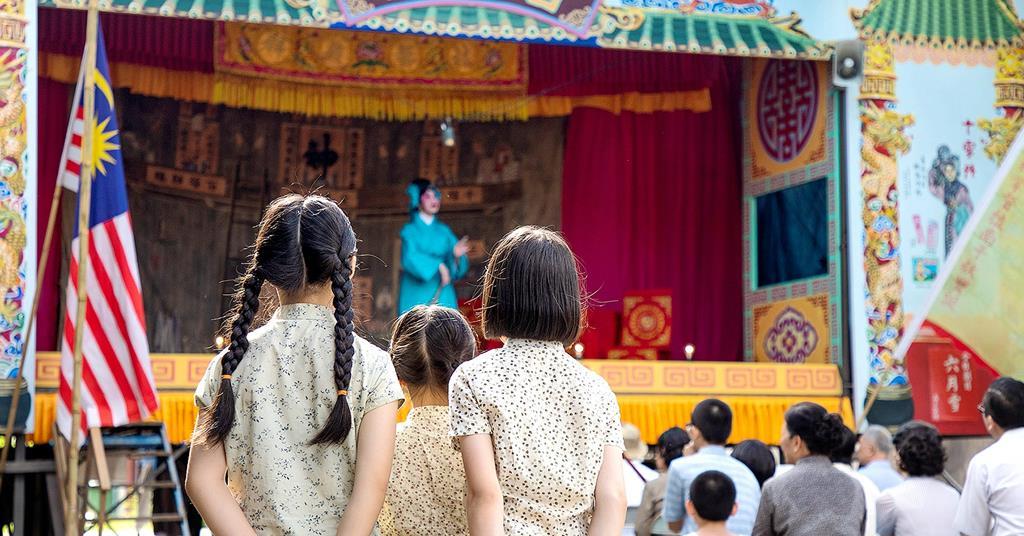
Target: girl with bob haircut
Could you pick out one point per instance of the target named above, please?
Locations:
(812, 498)
(426, 493)
(539, 433)
(300, 413)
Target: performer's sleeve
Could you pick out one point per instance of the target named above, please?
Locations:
(457, 266)
(416, 263)
(972, 514)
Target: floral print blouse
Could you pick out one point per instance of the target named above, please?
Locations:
(426, 493)
(550, 419)
(284, 390)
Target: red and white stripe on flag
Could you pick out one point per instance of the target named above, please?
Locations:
(117, 380)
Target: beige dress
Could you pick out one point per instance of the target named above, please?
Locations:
(550, 419)
(284, 390)
(426, 493)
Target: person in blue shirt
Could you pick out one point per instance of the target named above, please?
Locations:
(709, 429)
(875, 452)
(432, 258)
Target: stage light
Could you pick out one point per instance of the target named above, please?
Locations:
(219, 342)
(689, 349)
(578, 350)
(447, 132)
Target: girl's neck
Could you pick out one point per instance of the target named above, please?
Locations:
(429, 397)
(320, 295)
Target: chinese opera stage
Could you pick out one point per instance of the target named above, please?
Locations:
(657, 168)
(652, 395)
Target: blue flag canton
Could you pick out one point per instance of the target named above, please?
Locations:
(109, 193)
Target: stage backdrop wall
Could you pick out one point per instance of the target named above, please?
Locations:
(653, 201)
(184, 160)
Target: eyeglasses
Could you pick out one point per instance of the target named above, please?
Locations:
(981, 409)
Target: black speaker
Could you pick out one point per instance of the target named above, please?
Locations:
(847, 62)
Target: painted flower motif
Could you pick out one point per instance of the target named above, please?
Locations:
(791, 339)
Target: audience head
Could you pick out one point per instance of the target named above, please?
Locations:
(844, 452)
(1002, 408)
(919, 449)
(670, 446)
(757, 457)
(810, 429)
(636, 449)
(427, 344)
(875, 444)
(710, 423)
(712, 498)
(531, 288)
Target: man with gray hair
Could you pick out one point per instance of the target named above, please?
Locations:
(874, 453)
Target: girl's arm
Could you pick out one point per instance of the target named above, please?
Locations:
(484, 506)
(204, 483)
(375, 449)
(609, 496)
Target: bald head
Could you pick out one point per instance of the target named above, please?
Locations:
(875, 444)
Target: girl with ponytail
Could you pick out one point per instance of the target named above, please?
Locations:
(300, 413)
(813, 497)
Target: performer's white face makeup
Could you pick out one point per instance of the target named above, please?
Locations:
(430, 203)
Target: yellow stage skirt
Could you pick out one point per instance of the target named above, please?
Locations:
(754, 417)
(653, 395)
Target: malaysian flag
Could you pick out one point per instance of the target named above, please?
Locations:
(117, 380)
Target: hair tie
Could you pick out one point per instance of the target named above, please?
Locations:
(342, 392)
(225, 376)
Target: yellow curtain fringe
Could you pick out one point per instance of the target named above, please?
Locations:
(754, 417)
(642, 103)
(321, 101)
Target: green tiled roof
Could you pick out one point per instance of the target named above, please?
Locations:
(713, 34)
(952, 24)
(626, 28)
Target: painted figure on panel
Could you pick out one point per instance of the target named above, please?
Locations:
(432, 258)
(944, 183)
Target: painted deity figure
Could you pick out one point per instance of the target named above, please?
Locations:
(944, 183)
(432, 258)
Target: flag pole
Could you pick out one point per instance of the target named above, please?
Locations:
(84, 205)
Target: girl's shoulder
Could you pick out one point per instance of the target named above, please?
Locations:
(369, 353)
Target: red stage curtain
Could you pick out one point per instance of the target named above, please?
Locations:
(654, 201)
(54, 100)
(168, 43)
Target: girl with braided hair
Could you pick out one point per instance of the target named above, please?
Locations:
(300, 413)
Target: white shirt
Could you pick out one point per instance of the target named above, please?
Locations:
(993, 499)
(635, 484)
(920, 506)
(870, 496)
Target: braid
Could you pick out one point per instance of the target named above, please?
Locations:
(216, 421)
(339, 422)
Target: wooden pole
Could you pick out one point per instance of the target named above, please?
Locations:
(51, 223)
(84, 205)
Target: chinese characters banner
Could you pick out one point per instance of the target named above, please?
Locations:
(976, 302)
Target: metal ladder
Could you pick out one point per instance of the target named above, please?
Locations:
(146, 449)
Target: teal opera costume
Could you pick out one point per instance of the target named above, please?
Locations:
(426, 244)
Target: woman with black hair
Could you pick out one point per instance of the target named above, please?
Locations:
(757, 457)
(648, 514)
(922, 504)
(812, 498)
(300, 413)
